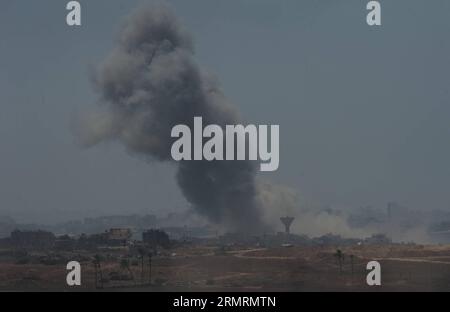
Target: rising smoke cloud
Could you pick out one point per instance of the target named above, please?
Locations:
(149, 83)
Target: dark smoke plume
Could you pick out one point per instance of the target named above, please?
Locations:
(149, 83)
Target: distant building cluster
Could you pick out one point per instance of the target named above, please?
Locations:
(32, 239)
(133, 230)
(112, 238)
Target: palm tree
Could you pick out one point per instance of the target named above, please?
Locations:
(142, 253)
(352, 259)
(125, 265)
(98, 270)
(96, 273)
(149, 267)
(339, 255)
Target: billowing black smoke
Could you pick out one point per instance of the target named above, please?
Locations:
(149, 84)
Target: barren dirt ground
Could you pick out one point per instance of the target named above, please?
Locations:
(404, 268)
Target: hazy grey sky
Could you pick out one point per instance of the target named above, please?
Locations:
(363, 112)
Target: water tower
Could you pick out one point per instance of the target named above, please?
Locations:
(287, 221)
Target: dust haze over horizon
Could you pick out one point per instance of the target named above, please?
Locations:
(362, 112)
